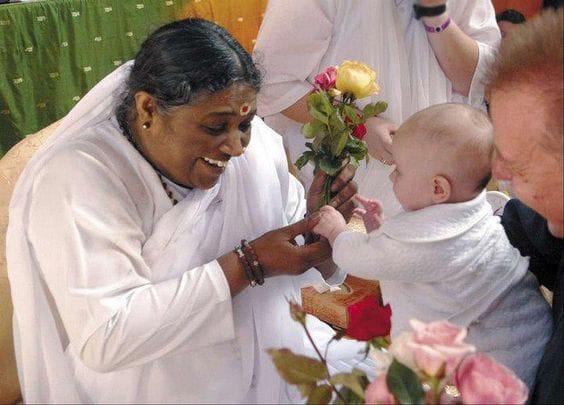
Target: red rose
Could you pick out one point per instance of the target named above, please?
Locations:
(326, 79)
(369, 320)
(359, 131)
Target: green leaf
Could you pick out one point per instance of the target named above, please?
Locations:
(404, 384)
(371, 110)
(353, 381)
(351, 113)
(308, 130)
(329, 165)
(353, 161)
(347, 396)
(337, 124)
(319, 106)
(320, 395)
(339, 144)
(313, 129)
(297, 369)
(304, 159)
(305, 389)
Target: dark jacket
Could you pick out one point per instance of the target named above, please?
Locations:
(528, 232)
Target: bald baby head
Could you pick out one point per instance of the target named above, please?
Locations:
(451, 140)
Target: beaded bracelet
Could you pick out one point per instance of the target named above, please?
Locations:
(437, 29)
(252, 259)
(246, 266)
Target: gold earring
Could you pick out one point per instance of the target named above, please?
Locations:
(146, 125)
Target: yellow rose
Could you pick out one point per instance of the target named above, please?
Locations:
(356, 78)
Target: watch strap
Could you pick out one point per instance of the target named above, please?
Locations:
(421, 11)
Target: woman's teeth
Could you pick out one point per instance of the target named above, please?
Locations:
(218, 163)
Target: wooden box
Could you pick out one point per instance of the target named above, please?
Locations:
(331, 307)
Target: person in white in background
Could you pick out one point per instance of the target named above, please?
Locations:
(436, 56)
(447, 256)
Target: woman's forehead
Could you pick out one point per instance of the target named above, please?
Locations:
(237, 99)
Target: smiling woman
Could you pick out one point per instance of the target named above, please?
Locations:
(138, 228)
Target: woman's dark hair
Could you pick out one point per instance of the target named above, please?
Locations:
(183, 59)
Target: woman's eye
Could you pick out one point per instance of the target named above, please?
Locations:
(215, 130)
(244, 126)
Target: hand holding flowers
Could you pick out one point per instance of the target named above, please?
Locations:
(337, 127)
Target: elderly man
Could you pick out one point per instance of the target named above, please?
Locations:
(525, 94)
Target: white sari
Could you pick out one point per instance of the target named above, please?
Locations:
(117, 294)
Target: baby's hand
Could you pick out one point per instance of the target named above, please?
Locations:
(331, 223)
(371, 212)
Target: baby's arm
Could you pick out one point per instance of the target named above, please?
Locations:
(331, 223)
(371, 212)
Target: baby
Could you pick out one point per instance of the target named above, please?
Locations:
(446, 256)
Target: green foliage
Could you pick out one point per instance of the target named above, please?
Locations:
(352, 114)
(320, 106)
(306, 388)
(404, 384)
(330, 165)
(296, 369)
(320, 394)
(356, 381)
(347, 396)
(372, 110)
(331, 133)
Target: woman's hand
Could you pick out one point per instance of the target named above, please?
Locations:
(344, 187)
(279, 254)
(379, 133)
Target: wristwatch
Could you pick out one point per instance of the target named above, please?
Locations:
(421, 11)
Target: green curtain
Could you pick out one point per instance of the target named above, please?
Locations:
(52, 52)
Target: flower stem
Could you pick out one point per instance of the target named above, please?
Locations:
(323, 361)
(435, 384)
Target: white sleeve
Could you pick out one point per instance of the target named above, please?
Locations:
(476, 18)
(376, 256)
(89, 250)
(291, 42)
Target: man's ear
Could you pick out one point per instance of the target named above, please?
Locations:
(145, 106)
(442, 189)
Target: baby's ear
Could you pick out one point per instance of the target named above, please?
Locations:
(441, 189)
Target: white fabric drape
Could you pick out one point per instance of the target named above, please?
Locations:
(117, 294)
(299, 38)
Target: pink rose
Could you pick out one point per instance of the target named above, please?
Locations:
(482, 380)
(326, 79)
(368, 319)
(378, 393)
(438, 347)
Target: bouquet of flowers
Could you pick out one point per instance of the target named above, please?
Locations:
(336, 131)
(429, 365)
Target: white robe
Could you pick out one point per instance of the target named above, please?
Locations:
(117, 294)
(298, 39)
(454, 262)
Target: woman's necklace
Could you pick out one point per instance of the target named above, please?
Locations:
(168, 190)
